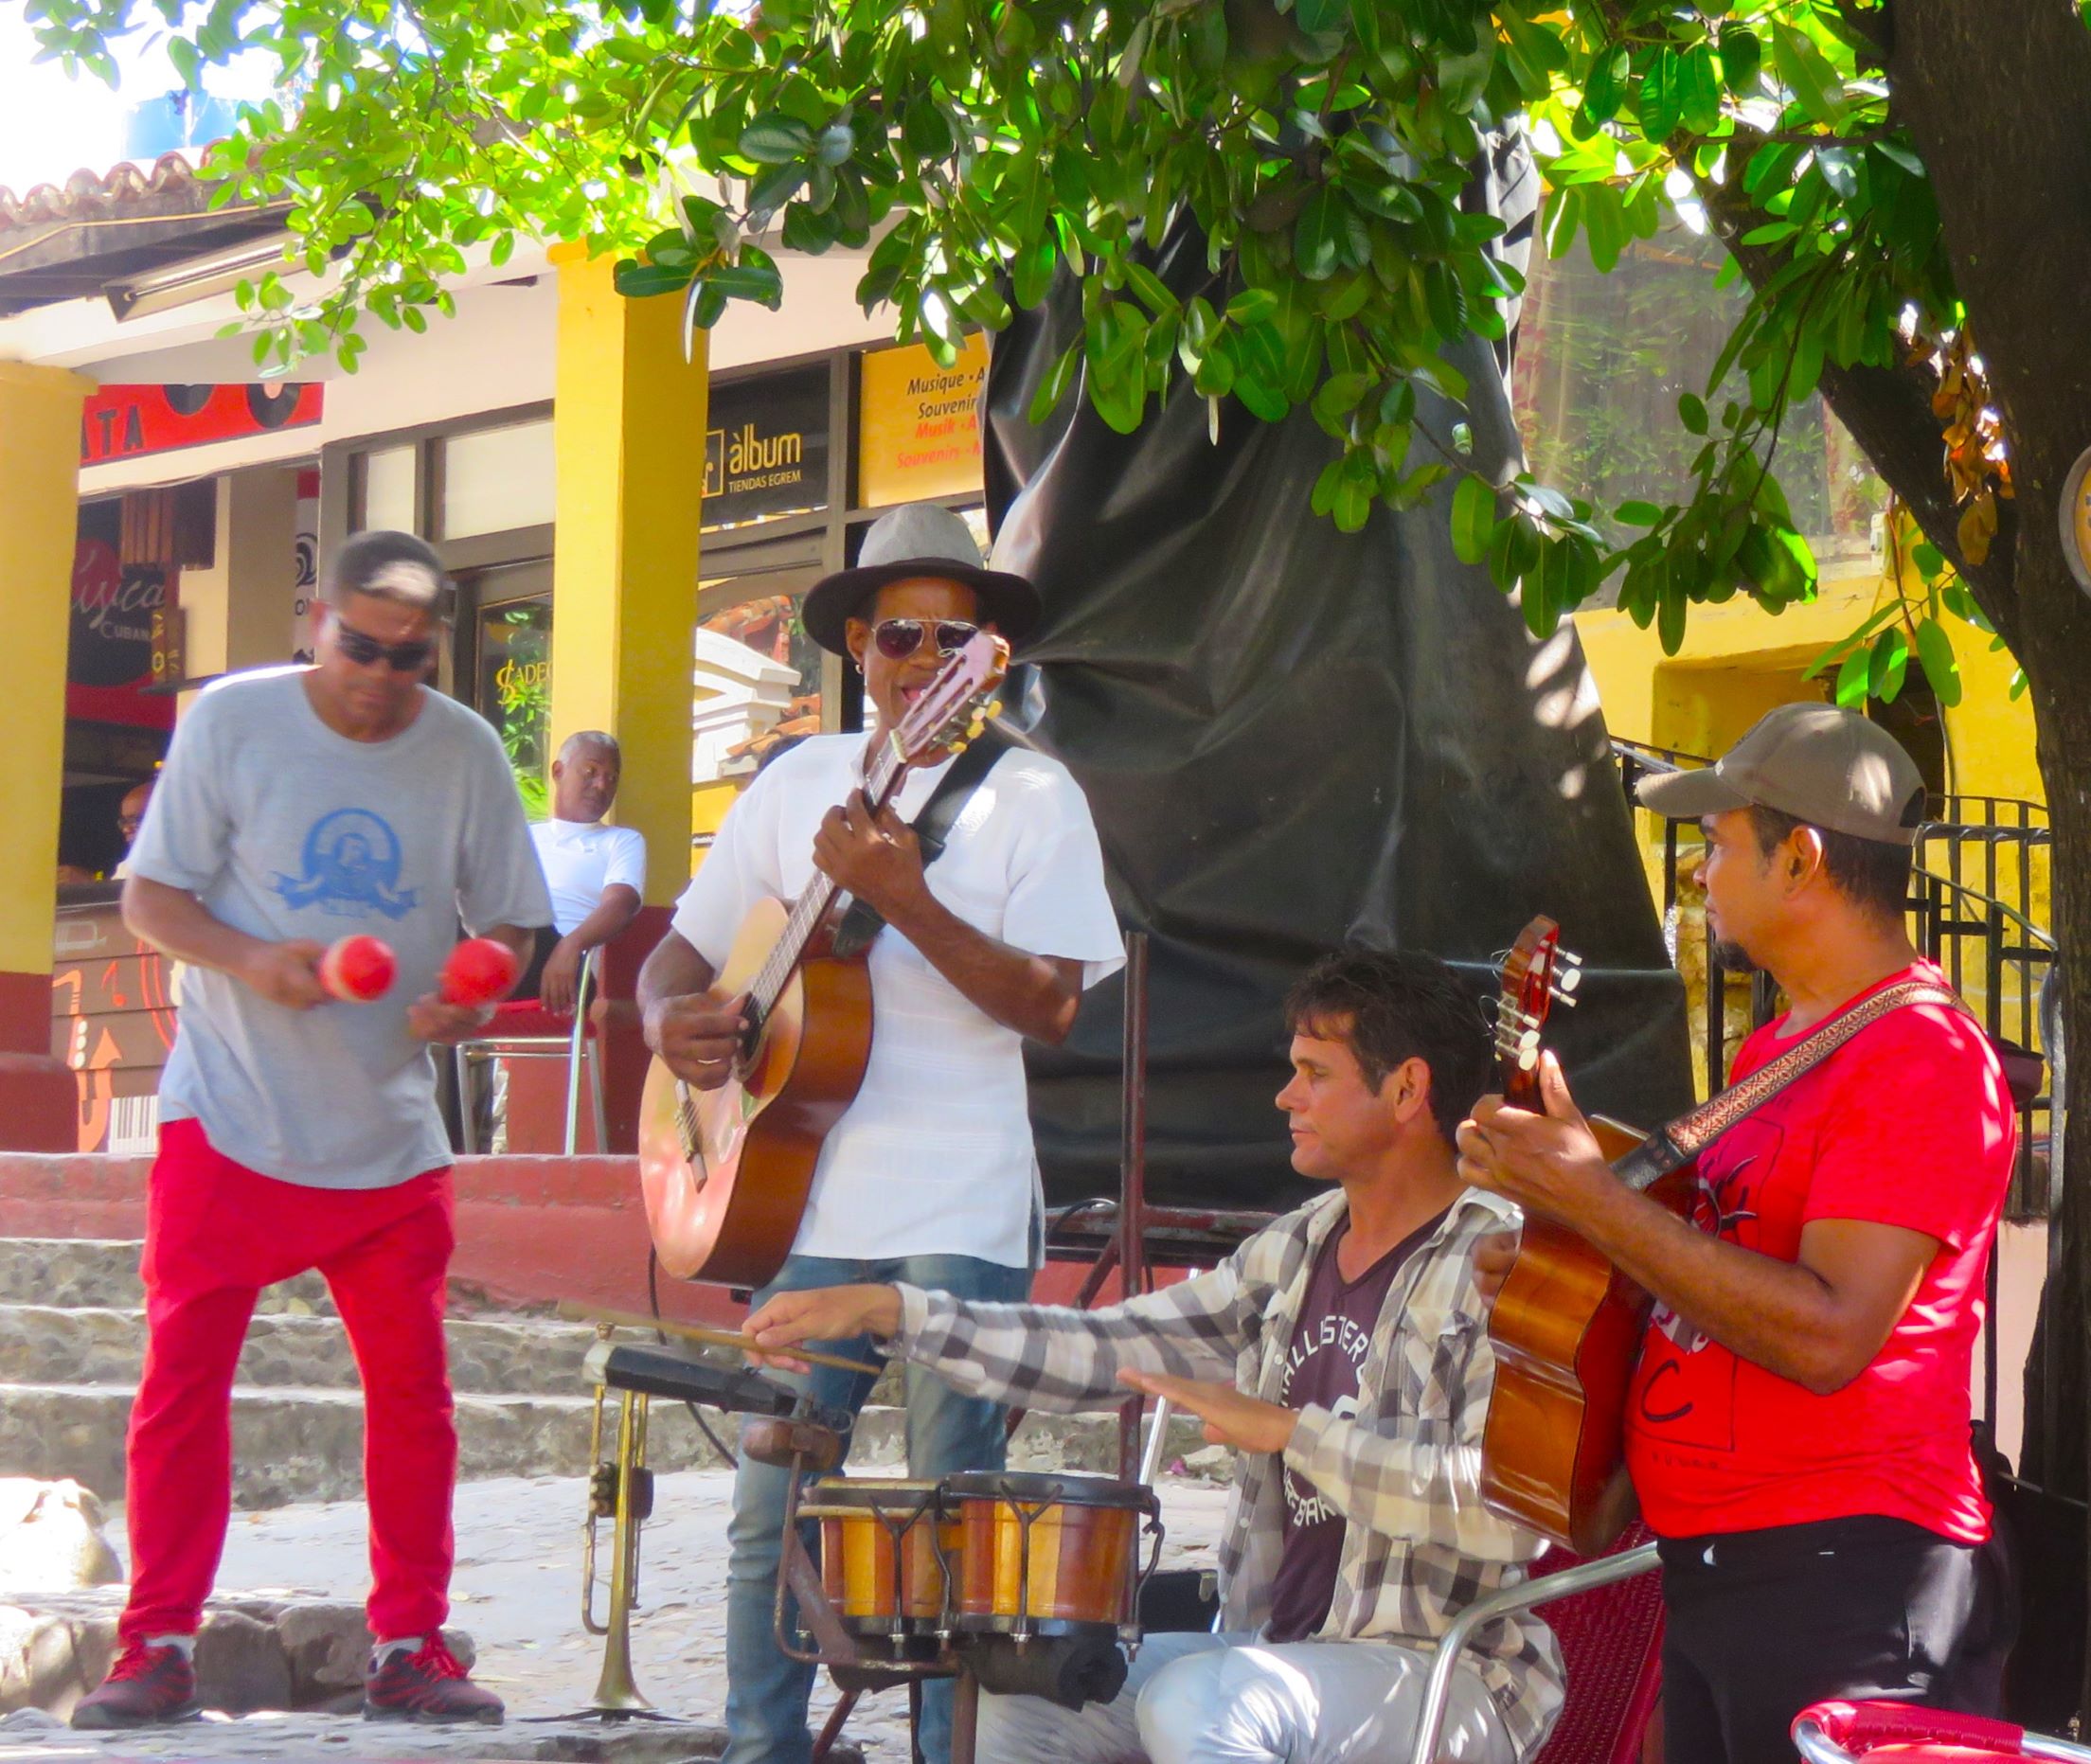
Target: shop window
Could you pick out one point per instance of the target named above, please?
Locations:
(514, 692)
(1602, 360)
(497, 479)
(388, 501)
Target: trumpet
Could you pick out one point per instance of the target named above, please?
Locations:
(621, 1490)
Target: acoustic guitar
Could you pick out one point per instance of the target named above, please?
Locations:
(726, 1172)
(1567, 1325)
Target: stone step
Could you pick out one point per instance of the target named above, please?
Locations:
(293, 1444)
(102, 1273)
(505, 1357)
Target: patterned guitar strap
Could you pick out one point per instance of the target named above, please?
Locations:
(1670, 1147)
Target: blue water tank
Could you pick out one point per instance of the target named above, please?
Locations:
(156, 126)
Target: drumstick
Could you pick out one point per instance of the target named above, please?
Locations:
(576, 1312)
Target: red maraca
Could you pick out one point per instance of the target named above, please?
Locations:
(480, 972)
(357, 970)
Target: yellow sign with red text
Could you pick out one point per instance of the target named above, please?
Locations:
(918, 431)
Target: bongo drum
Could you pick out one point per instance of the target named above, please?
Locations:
(885, 1545)
(1051, 1555)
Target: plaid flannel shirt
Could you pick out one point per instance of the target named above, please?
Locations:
(1419, 1545)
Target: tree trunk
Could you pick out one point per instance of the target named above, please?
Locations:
(1995, 94)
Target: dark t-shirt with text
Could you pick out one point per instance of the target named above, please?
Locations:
(1329, 1347)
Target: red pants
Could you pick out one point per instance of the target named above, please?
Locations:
(216, 1233)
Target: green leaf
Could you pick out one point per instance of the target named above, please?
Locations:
(1929, 559)
(927, 129)
(1661, 100)
(1806, 72)
(1604, 89)
(1855, 679)
(1339, 396)
(1252, 306)
(1741, 57)
(1699, 90)
(1638, 514)
(1889, 663)
(1316, 16)
(1317, 236)
(1692, 412)
(776, 139)
(1054, 386)
(1934, 652)
(1604, 225)
(1473, 518)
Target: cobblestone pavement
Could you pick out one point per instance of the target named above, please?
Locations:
(517, 1592)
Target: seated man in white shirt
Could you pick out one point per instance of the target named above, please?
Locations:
(597, 873)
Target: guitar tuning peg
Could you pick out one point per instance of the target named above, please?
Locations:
(1567, 980)
(1526, 1059)
(1529, 1042)
(1565, 1000)
(992, 708)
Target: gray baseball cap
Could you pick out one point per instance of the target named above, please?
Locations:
(919, 539)
(1829, 767)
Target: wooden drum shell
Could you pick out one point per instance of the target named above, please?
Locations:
(1083, 1544)
(878, 1553)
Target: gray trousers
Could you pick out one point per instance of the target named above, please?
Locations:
(1205, 1698)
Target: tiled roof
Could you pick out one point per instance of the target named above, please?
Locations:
(89, 195)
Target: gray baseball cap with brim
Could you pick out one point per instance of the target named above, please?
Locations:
(922, 539)
(1829, 767)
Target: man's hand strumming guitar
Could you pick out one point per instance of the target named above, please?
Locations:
(697, 1035)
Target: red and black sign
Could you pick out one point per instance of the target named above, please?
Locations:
(109, 658)
(123, 422)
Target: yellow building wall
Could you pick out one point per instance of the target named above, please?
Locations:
(1738, 661)
(624, 566)
(38, 517)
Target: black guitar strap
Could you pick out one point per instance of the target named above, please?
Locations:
(931, 824)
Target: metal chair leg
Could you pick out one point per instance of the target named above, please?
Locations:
(577, 1048)
(468, 1127)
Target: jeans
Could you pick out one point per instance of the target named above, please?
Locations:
(766, 1693)
(1204, 1699)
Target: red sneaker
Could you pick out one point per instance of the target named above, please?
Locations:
(146, 1686)
(426, 1686)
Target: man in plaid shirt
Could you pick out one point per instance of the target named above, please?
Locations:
(1344, 1353)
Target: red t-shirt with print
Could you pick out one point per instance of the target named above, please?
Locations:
(1908, 1124)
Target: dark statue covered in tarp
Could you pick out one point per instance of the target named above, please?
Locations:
(1291, 737)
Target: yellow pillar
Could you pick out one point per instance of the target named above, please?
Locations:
(39, 515)
(627, 429)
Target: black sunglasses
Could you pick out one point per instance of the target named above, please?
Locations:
(363, 649)
(898, 638)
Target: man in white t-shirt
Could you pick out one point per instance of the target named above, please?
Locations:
(931, 1169)
(597, 873)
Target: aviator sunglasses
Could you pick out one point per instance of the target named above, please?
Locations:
(898, 638)
(363, 649)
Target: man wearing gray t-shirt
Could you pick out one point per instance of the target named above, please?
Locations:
(298, 805)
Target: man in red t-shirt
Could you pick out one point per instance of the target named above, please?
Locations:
(1798, 1428)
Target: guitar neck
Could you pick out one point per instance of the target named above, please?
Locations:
(881, 783)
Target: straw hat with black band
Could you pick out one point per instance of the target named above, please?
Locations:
(923, 539)
(1829, 767)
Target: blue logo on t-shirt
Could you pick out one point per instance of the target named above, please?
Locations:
(351, 863)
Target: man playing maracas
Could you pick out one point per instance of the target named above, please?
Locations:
(299, 1131)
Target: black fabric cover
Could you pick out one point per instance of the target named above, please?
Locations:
(1290, 736)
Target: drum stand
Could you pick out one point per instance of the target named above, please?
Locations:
(810, 1450)
(622, 1488)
